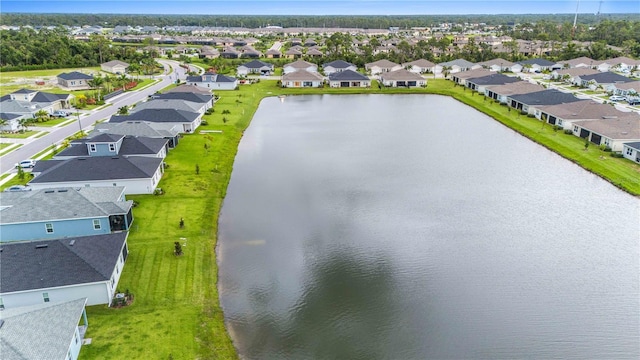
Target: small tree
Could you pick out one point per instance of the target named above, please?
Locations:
(177, 248)
(586, 143)
(124, 110)
(20, 173)
(197, 169)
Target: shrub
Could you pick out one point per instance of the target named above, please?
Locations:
(568, 132)
(204, 123)
(617, 154)
(557, 127)
(209, 111)
(224, 112)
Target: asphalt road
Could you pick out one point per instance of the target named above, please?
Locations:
(57, 135)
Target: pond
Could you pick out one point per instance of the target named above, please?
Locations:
(415, 227)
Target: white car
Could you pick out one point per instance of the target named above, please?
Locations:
(617, 98)
(26, 164)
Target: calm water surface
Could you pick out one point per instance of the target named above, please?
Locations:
(414, 227)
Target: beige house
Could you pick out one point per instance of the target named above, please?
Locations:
(114, 67)
(381, 66)
(402, 78)
(302, 78)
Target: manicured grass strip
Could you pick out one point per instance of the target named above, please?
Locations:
(19, 135)
(41, 134)
(4, 145)
(9, 76)
(53, 122)
(143, 83)
(7, 150)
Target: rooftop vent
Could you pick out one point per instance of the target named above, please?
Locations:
(42, 246)
(82, 159)
(63, 190)
(115, 158)
(72, 242)
(49, 191)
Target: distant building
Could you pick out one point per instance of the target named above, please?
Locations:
(115, 67)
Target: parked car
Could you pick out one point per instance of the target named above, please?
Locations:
(633, 100)
(25, 164)
(16, 188)
(616, 98)
(60, 113)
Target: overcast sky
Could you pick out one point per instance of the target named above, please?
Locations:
(314, 7)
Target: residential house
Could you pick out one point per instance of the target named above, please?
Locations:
(29, 102)
(169, 132)
(74, 80)
(337, 66)
(176, 104)
(602, 80)
(255, 67)
(571, 75)
(624, 64)
(610, 132)
(461, 77)
(207, 52)
(114, 145)
(381, 66)
(581, 62)
(52, 330)
(213, 81)
(229, 52)
(631, 151)
(501, 93)
(273, 54)
(138, 174)
(293, 53)
(249, 52)
(60, 270)
(402, 78)
(206, 100)
(566, 114)
(189, 120)
(11, 122)
(420, 66)
(454, 66)
(299, 65)
(480, 83)
(115, 67)
(63, 212)
(499, 65)
(185, 88)
(348, 78)
(526, 102)
(625, 89)
(302, 78)
(315, 53)
(538, 65)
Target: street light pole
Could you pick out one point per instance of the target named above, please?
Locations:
(79, 123)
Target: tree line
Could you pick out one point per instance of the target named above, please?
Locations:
(256, 21)
(27, 49)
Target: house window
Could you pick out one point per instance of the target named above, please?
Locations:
(629, 151)
(96, 224)
(575, 128)
(112, 147)
(45, 297)
(73, 83)
(92, 147)
(559, 121)
(49, 228)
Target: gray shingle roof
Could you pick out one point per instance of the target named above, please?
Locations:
(338, 64)
(606, 78)
(105, 138)
(186, 96)
(90, 259)
(635, 145)
(216, 78)
(539, 62)
(59, 204)
(75, 75)
(302, 75)
(176, 104)
(41, 331)
(131, 146)
(44, 97)
(458, 62)
(96, 168)
(257, 64)
(347, 75)
(493, 79)
(401, 75)
(115, 62)
(138, 128)
(545, 97)
(8, 116)
(190, 89)
(158, 115)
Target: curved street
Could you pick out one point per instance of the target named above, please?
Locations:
(56, 135)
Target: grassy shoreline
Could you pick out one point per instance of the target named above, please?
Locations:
(176, 313)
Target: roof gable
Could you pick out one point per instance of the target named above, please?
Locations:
(96, 168)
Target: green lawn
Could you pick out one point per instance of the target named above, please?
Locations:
(19, 135)
(10, 76)
(53, 122)
(143, 83)
(176, 312)
(7, 148)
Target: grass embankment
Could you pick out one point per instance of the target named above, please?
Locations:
(19, 135)
(176, 311)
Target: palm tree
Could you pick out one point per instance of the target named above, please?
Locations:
(42, 115)
(25, 123)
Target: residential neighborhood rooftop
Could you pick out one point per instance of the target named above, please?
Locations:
(95, 168)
